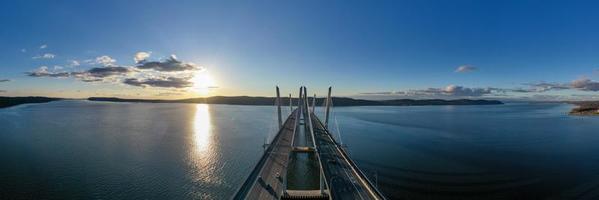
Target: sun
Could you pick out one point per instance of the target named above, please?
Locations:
(202, 82)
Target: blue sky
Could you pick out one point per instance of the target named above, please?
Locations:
(545, 50)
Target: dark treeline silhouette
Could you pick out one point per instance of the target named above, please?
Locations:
(337, 101)
(585, 108)
(13, 101)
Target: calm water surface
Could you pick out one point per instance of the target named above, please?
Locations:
(97, 150)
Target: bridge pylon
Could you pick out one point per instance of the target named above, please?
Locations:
(279, 102)
(329, 101)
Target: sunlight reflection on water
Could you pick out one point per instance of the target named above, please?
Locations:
(204, 155)
(202, 128)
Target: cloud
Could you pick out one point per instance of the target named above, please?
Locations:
(101, 72)
(466, 68)
(43, 72)
(383, 93)
(105, 60)
(585, 84)
(543, 87)
(582, 84)
(455, 90)
(74, 63)
(2, 91)
(450, 91)
(91, 75)
(44, 46)
(23, 50)
(44, 56)
(169, 82)
(141, 56)
(144, 74)
(169, 94)
(169, 65)
(4, 80)
(522, 90)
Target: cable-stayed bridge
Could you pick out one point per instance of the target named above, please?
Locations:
(304, 161)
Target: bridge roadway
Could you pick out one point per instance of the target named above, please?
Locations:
(345, 179)
(266, 180)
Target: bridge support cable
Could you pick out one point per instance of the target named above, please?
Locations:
(336, 124)
(273, 128)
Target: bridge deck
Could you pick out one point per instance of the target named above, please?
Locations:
(291, 166)
(266, 181)
(345, 180)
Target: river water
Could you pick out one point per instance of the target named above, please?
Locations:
(102, 150)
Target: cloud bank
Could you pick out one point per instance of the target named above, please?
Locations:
(582, 84)
(168, 82)
(585, 84)
(169, 65)
(450, 91)
(91, 75)
(535, 90)
(167, 73)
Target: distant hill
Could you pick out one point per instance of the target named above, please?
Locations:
(337, 101)
(585, 108)
(13, 101)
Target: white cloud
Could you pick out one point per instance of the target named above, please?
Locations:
(44, 56)
(105, 60)
(44, 46)
(74, 63)
(141, 56)
(465, 68)
(23, 50)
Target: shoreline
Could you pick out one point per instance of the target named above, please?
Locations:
(6, 102)
(338, 101)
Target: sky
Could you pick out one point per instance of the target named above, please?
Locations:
(527, 50)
